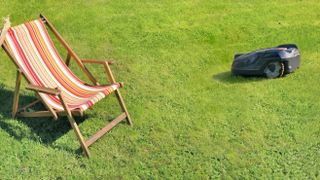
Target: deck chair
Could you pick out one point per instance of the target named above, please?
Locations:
(62, 93)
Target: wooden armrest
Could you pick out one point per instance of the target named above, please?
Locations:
(50, 91)
(93, 61)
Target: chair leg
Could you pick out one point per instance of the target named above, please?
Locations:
(75, 127)
(123, 106)
(79, 135)
(16, 94)
(117, 92)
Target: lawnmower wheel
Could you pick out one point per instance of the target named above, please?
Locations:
(274, 70)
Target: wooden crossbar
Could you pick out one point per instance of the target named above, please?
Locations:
(24, 108)
(46, 114)
(104, 130)
(34, 114)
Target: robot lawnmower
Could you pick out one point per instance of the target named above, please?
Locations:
(271, 62)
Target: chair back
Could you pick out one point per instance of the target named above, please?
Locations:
(33, 51)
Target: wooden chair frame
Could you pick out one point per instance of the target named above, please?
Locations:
(21, 112)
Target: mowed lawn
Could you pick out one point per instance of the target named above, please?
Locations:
(192, 118)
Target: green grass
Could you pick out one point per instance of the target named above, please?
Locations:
(192, 118)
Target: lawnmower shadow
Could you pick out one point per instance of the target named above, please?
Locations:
(228, 78)
(45, 130)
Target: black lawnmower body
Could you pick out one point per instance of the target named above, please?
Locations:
(270, 62)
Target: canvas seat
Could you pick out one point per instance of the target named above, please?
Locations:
(33, 52)
(37, 57)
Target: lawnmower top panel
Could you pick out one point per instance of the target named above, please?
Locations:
(270, 62)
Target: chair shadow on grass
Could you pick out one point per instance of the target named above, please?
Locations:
(228, 78)
(44, 129)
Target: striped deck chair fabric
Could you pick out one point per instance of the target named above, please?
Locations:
(35, 54)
